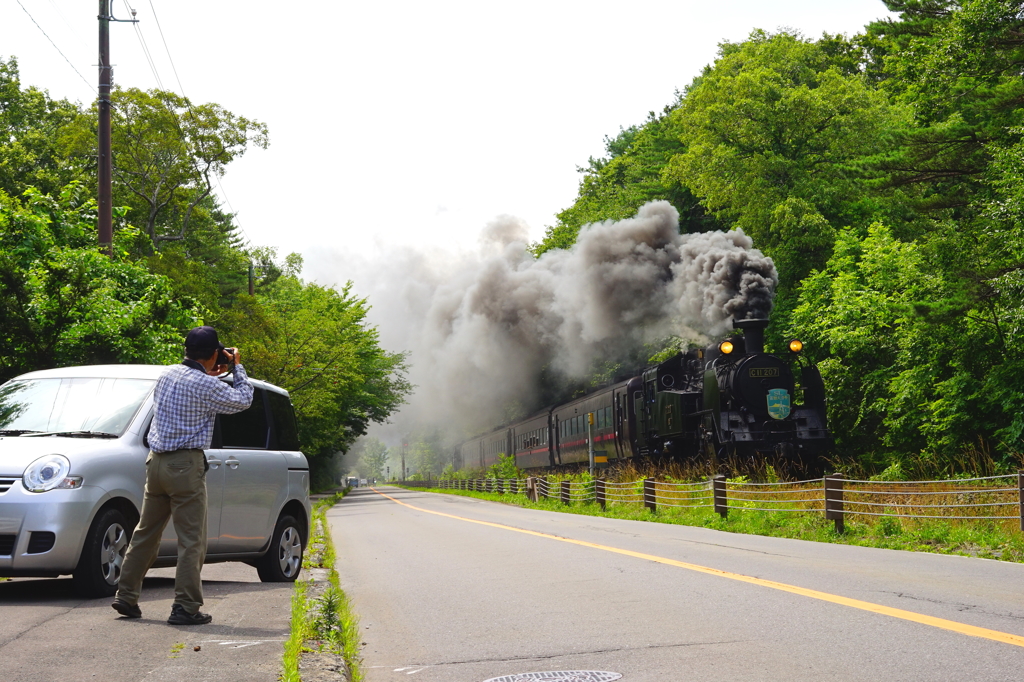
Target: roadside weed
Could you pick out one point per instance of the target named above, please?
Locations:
(984, 539)
(324, 623)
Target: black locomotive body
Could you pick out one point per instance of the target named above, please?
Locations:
(729, 399)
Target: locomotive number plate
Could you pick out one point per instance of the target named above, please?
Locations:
(762, 372)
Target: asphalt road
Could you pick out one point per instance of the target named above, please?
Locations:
(47, 634)
(444, 599)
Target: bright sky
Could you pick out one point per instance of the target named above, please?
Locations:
(408, 122)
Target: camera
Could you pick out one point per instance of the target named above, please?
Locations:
(225, 358)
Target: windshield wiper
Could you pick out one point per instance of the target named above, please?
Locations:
(15, 432)
(74, 434)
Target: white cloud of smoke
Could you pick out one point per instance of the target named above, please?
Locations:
(480, 327)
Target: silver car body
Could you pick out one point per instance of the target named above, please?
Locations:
(249, 488)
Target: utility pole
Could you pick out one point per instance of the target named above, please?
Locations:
(104, 171)
(403, 460)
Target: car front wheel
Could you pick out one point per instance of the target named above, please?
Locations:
(99, 567)
(283, 561)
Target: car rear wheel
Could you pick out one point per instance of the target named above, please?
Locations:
(99, 567)
(283, 561)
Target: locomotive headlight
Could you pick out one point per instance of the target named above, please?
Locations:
(726, 347)
(796, 345)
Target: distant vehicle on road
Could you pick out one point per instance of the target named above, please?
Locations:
(351, 482)
(363, 483)
(73, 452)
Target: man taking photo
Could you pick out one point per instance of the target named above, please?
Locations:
(188, 398)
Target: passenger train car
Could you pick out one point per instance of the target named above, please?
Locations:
(728, 399)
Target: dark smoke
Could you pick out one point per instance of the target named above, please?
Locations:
(482, 329)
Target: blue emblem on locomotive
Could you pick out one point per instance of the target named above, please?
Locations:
(778, 403)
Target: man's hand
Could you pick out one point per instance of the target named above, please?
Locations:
(233, 354)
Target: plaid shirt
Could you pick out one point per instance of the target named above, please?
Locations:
(187, 400)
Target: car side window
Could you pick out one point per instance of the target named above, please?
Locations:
(286, 432)
(246, 429)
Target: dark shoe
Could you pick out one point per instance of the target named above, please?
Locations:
(127, 610)
(179, 616)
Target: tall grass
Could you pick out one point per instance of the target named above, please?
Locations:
(992, 539)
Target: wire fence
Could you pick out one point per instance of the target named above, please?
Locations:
(988, 498)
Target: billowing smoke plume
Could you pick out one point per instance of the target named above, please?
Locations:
(480, 330)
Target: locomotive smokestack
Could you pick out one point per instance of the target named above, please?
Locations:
(753, 333)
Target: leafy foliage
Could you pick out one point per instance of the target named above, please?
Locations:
(884, 174)
(62, 302)
(168, 152)
(375, 457)
(314, 341)
(178, 262)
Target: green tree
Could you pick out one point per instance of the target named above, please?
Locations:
(62, 302)
(168, 153)
(773, 133)
(428, 453)
(375, 458)
(916, 358)
(44, 143)
(957, 65)
(315, 342)
(633, 173)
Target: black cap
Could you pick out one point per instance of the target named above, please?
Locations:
(203, 338)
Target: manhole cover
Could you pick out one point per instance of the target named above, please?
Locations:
(560, 676)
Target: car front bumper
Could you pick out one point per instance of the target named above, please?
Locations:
(64, 513)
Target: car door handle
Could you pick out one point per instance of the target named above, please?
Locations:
(214, 463)
(232, 463)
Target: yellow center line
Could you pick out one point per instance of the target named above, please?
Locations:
(941, 623)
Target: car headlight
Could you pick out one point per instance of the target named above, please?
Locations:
(49, 473)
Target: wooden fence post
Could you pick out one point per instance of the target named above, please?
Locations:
(599, 495)
(718, 491)
(565, 492)
(1020, 498)
(834, 501)
(650, 500)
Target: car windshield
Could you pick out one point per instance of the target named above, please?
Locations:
(102, 405)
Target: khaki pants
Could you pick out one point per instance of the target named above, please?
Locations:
(175, 489)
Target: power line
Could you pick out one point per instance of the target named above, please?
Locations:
(145, 48)
(55, 47)
(189, 105)
(167, 49)
(74, 33)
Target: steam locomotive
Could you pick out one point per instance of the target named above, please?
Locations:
(730, 399)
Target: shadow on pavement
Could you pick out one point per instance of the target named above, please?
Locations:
(50, 590)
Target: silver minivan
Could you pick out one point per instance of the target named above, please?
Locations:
(73, 467)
